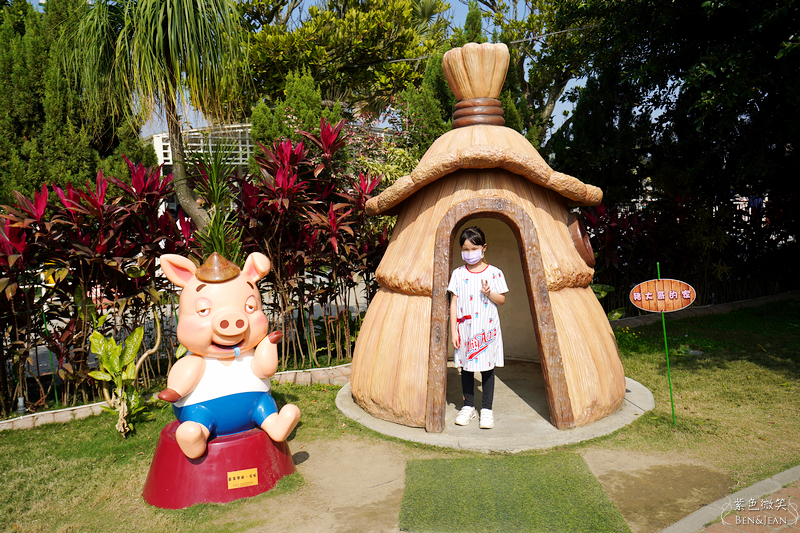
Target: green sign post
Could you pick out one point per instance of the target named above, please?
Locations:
(663, 296)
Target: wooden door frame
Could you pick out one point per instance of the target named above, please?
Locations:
(538, 297)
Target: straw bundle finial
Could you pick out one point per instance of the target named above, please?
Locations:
(475, 74)
(476, 70)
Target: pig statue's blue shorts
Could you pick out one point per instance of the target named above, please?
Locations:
(229, 414)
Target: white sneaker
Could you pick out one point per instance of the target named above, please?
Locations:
(487, 419)
(466, 414)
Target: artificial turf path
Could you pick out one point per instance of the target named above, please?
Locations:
(524, 493)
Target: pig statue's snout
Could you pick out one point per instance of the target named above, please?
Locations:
(230, 324)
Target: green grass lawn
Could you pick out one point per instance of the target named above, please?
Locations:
(525, 493)
(83, 476)
(736, 403)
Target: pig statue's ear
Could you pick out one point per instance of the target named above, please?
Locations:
(178, 269)
(256, 267)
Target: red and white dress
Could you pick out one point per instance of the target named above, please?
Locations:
(477, 318)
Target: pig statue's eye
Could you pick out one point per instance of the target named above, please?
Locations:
(251, 305)
(203, 307)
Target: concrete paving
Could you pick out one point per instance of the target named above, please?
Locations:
(522, 419)
(727, 517)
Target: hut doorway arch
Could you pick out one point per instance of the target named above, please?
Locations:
(524, 230)
(519, 337)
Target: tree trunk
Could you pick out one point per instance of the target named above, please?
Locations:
(184, 193)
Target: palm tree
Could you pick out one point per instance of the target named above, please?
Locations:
(134, 56)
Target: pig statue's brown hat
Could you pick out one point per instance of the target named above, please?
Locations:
(217, 269)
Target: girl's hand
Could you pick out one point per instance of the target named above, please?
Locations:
(485, 288)
(495, 298)
(454, 340)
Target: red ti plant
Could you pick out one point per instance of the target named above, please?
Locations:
(154, 227)
(63, 259)
(328, 142)
(21, 234)
(306, 210)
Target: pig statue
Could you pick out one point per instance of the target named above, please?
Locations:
(222, 386)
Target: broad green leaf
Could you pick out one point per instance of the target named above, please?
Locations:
(616, 314)
(127, 375)
(135, 401)
(136, 272)
(181, 351)
(132, 344)
(600, 287)
(601, 290)
(98, 344)
(112, 354)
(99, 374)
(61, 274)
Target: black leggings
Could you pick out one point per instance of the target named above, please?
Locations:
(468, 386)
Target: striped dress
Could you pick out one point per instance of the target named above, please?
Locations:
(477, 318)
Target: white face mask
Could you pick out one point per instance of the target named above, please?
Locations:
(472, 258)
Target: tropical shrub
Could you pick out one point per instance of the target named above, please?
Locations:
(305, 210)
(300, 110)
(74, 254)
(726, 250)
(117, 364)
(63, 260)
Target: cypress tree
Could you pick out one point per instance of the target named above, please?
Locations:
(44, 134)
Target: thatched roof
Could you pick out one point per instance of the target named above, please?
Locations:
(484, 147)
(475, 74)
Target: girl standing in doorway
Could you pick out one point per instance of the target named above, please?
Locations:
(477, 289)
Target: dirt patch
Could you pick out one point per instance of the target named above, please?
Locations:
(350, 486)
(653, 492)
(354, 484)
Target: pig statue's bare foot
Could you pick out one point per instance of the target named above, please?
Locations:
(192, 438)
(279, 425)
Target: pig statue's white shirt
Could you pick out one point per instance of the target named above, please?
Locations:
(220, 380)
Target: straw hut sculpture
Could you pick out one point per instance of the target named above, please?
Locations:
(481, 169)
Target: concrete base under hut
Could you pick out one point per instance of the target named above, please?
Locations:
(522, 419)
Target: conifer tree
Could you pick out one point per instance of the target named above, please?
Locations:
(43, 124)
(301, 109)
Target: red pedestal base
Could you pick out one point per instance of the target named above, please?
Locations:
(233, 467)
